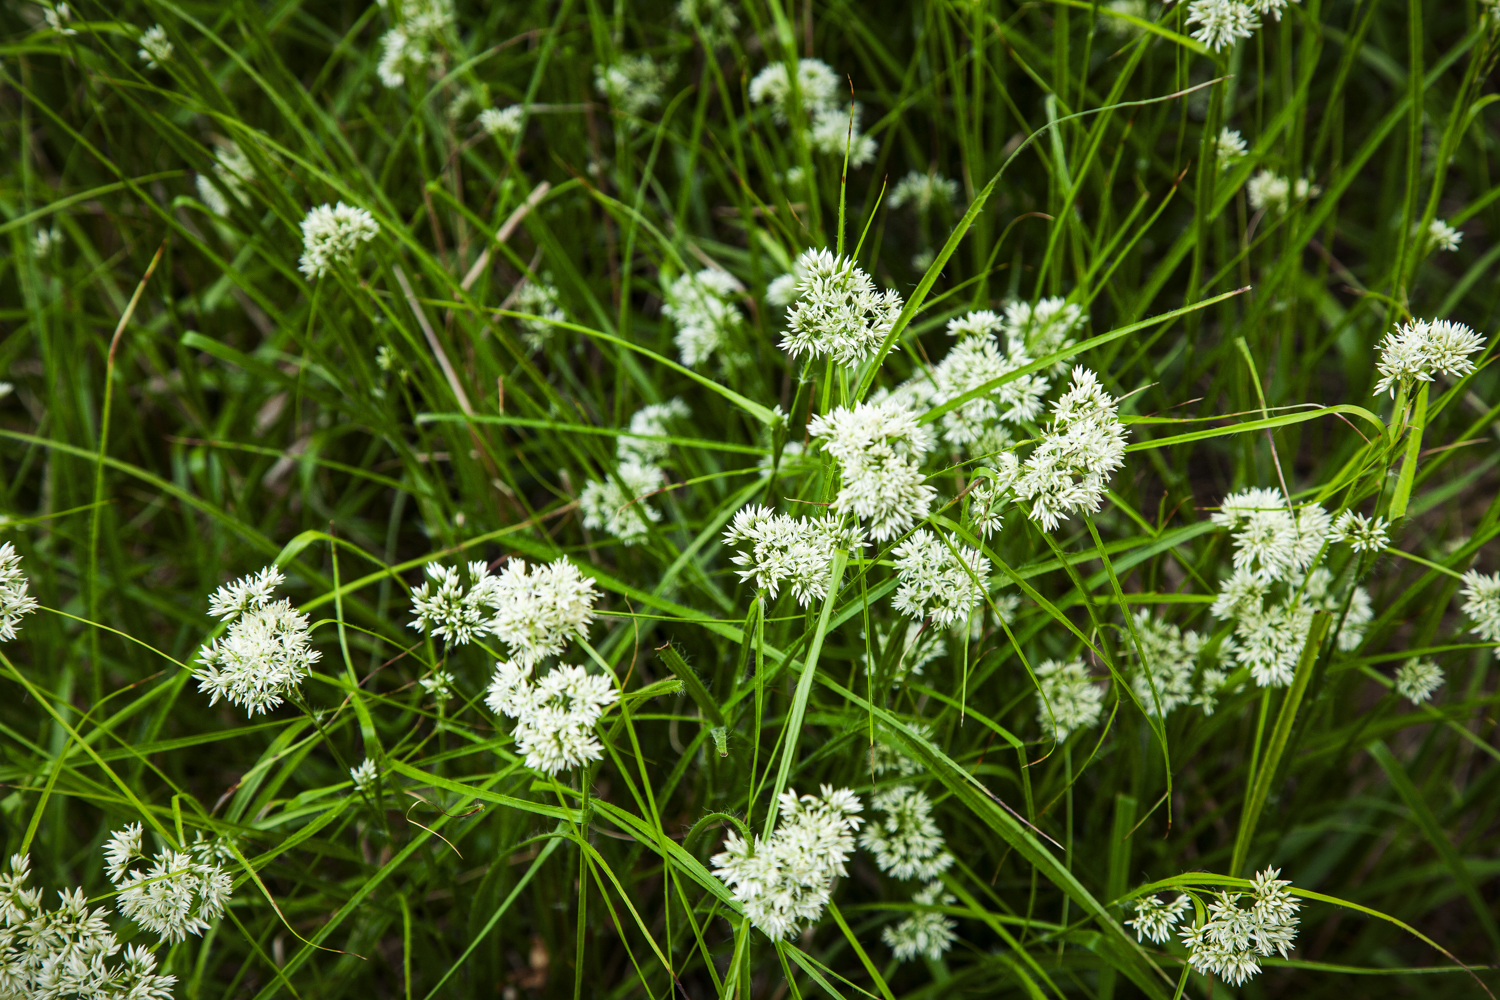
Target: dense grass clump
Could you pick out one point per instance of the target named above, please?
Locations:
(750, 499)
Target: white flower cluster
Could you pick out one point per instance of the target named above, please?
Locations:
(1044, 328)
(1269, 191)
(922, 191)
(64, 952)
(409, 46)
(1231, 942)
(45, 243)
(1416, 680)
(155, 47)
(555, 716)
(702, 307)
(266, 652)
(1362, 534)
(1155, 919)
(623, 511)
(503, 123)
(1070, 468)
(539, 298)
(929, 933)
(1231, 148)
(57, 16)
(784, 880)
(977, 359)
(837, 312)
(363, 775)
(533, 610)
(232, 170)
(331, 234)
(443, 607)
(15, 600)
(833, 125)
(907, 842)
(181, 893)
(1278, 550)
(886, 756)
(937, 583)
(1417, 349)
(1169, 659)
(1068, 700)
(1482, 604)
(879, 447)
(1224, 22)
(1441, 236)
(633, 83)
(778, 549)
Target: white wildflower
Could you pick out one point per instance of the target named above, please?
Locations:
(1417, 349)
(1268, 190)
(330, 236)
(57, 17)
(407, 48)
(1270, 538)
(1155, 919)
(817, 83)
(444, 608)
(15, 600)
(650, 422)
(885, 754)
(922, 191)
(784, 881)
(538, 297)
(929, 933)
(778, 549)
(906, 842)
(1416, 680)
(1483, 603)
(838, 312)
(1044, 328)
(364, 775)
(503, 122)
(1442, 236)
(1231, 148)
(879, 447)
(538, 611)
(555, 716)
(1364, 534)
(1168, 656)
(986, 505)
(622, 510)
(155, 48)
(1070, 470)
(936, 583)
(232, 170)
(1074, 700)
(265, 654)
(1270, 640)
(1230, 943)
(633, 84)
(176, 896)
(1222, 22)
(835, 131)
(439, 685)
(782, 291)
(45, 243)
(976, 361)
(702, 307)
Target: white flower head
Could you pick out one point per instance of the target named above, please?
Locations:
(929, 933)
(906, 842)
(15, 600)
(176, 896)
(155, 47)
(1222, 22)
(439, 685)
(1363, 534)
(922, 191)
(1441, 236)
(409, 47)
(1416, 680)
(783, 881)
(265, 654)
(879, 446)
(331, 234)
(633, 83)
(555, 716)
(817, 83)
(443, 607)
(1230, 943)
(538, 612)
(620, 507)
(57, 16)
(838, 312)
(1075, 701)
(1080, 449)
(835, 132)
(1168, 656)
(363, 775)
(45, 243)
(651, 421)
(1418, 349)
(777, 549)
(503, 123)
(974, 362)
(1155, 919)
(936, 583)
(1231, 148)
(1044, 328)
(702, 307)
(1483, 603)
(539, 298)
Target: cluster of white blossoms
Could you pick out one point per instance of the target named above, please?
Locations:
(833, 124)
(633, 83)
(938, 582)
(879, 447)
(1482, 603)
(15, 600)
(1231, 942)
(1231, 148)
(155, 47)
(539, 298)
(331, 235)
(503, 123)
(1154, 919)
(534, 610)
(267, 650)
(618, 504)
(1360, 533)
(1168, 662)
(46, 242)
(443, 607)
(56, 16)
(363, 775)
(180, 893)
(1068, 699)
(231, 170)
(1079, 450)
(977, 359)
(784, 881)
(1269, 191)
(1441, 236)
(922, 191)
(929, 933)
(1416, 680)
(555, 715)
(409, 47)
(907, 843)
(65, 952)
(778, 549)
(1415, 350)
(837, 312)
(886, 755)
(1224, 22)
(1044, 328)
(702, 307)
(1277, 552)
